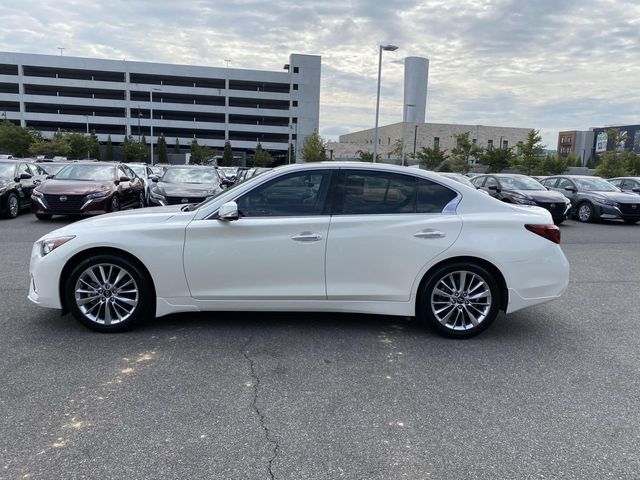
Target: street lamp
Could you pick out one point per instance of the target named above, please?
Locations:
(406, 107)
(389, 48)
(88, 152)
(151, 118)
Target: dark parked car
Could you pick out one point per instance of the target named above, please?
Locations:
(17, 180)
(145, 173)
(88, 188)
(627, 184)
(185, 184)
(593, 198)
(523, 190)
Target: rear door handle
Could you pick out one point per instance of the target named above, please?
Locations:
(429, 233)
(307, 237)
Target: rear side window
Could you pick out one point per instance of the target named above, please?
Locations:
(433, 197)
(549, 182)
(372, 193)
(564, 183)
(478, 181)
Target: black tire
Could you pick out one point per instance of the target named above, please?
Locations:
(144, 296)
(629, 221)
(559, 222)
(429, 301)
(142, 202)
(44, 216)
(114, 205)
(12, 206)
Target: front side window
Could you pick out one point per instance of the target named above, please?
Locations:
(23, 168)
(564, 183)
(491, 182)
(478, 181)
(617, 183)
(298, 194)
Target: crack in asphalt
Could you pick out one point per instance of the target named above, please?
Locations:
(256, 408)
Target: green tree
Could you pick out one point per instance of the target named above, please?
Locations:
(554, 165)
(530, 158)
(94, 145)
(200, 155)
(163, 154)
(313, 148)
(612, 164)
(78, 145)
(108, 155)
(366, 156)
(464, 151)
(227, 155)
(632, 163)
(396, 150)
(431, 158)
(176, 147)
(496, 159)
(573, 160)
(16, 140)
(57, 146)
(134, 151)
(262, 158)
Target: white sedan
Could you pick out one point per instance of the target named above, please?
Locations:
(332, 237)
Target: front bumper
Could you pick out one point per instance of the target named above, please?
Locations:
(44, 278)
(623, 212)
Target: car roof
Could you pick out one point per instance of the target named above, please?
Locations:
(624, 178)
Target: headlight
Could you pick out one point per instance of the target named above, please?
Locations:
(49, 245)
(103, 194)
(37, 193)
(158, 197)
(523, 201)
(567, 201)
(606, 201)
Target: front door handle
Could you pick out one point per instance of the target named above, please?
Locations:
(307, 237)
(429, 233)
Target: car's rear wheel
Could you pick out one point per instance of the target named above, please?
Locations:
(459, 300)
(44, 216)
(108, 293)
(584, 212)
(13, 206)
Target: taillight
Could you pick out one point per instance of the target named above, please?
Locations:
(550, 232)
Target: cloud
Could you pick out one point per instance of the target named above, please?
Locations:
(549, 64)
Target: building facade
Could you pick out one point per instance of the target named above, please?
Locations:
(117, 98)
(415, 136)
(575, 141)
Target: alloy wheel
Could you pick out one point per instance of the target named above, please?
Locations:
(13, 206)
(106, 294)
(584, 212)
(461, 300)
(115, 204)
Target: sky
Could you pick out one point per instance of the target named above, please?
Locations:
(545, 64)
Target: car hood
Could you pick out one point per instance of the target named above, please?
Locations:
(540, 195)
(186, 190)
(619, 197)
(135, 218)
(73, 187)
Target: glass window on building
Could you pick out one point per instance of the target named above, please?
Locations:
(489, 145)
(505, 144)
(436, 142)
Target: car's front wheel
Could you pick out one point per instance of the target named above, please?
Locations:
(584, 212)
(13, 206)
(459, 300)
(108, 293)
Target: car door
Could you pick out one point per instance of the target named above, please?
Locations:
(495, 191)
(136, 185)
(384, 229)
(276, 248)
(124, 188)
(26, 184)
(562, 185)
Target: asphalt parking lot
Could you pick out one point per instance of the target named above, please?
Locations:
(549, 392)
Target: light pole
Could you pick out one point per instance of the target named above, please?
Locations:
(88, 145)
(151, 118)
(389, 48)
(406, 107)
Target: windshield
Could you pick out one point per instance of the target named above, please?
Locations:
(139, 170)
(191, 175)
(157, 170)
(96, 173)
(520, 183)
(54, 168)
(594, 185)
(460, 179)
(6, 170)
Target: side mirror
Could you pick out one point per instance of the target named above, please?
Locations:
(154, 178)
(228, 211)
(635, 190)
(494, 188)
(124, 179)
(24, 176)
(570, 189)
